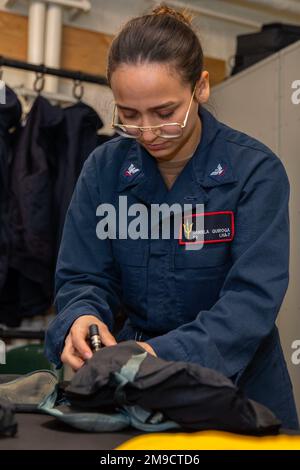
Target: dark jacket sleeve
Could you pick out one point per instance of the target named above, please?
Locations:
(86, 279)
(226, 337)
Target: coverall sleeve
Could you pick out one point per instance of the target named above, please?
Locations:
(86, 279)
(226, 337)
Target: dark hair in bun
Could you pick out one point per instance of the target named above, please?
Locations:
(164, 36)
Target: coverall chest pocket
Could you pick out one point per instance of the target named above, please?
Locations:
(199, 277)
(132, 259)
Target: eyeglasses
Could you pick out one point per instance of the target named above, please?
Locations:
(170, 130)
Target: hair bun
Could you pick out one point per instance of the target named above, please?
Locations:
(183, 16)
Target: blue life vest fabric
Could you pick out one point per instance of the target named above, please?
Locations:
(123, 385)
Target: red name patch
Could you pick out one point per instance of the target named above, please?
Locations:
(211, 227)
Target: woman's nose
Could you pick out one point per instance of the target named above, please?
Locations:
(148, 136)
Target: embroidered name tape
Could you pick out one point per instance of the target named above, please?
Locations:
(215, 227)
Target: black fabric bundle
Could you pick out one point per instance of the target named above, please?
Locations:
(195, 397)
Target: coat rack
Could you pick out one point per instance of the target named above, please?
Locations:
(62, 73)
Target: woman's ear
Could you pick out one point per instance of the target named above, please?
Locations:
(203, 88)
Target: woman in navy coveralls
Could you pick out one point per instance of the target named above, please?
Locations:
(217, 305)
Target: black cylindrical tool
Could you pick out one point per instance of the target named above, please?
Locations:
(94, 337)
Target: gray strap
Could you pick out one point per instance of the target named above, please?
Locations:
(127, 374)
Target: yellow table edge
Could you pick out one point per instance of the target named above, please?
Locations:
(210, 440)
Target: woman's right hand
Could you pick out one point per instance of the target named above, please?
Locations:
(77, 349)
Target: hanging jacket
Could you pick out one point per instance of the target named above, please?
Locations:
(215, 306)
(48, 155)
(10, 114)
(76, 139)
(29, 284)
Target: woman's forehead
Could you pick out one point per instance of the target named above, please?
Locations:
(152, 83)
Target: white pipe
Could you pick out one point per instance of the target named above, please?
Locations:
(38, 40)
(216, 14)
(53, 44)
(36, 29)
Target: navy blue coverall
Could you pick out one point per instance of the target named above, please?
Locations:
(215, 306)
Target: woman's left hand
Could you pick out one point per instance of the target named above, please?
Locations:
(147, 347)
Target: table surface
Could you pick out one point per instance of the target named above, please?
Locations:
(42, 432)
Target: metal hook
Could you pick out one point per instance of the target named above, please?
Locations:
(39, 82)
(78, 90)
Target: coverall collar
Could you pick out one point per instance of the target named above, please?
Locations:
(210, 166)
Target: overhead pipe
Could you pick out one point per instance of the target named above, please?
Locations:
(45, 23)
(36, 35)
(53, 43)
